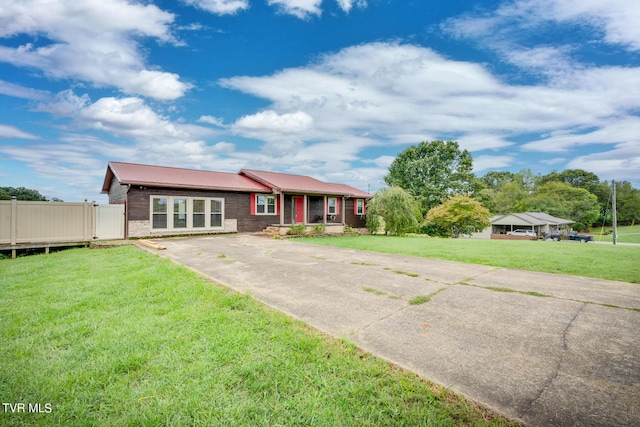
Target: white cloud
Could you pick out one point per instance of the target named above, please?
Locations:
(78, 161)
(396, 94)
(269, 122)
(7, 131)
(220, 7)
(212, 121)
(621, 163)
(390, 91)
(10, 89)
(486, 162)
(346, 5)
(299, 8)
(158, 139)
(613, 132)
(91, 41)
(617, 19)
(223, 147)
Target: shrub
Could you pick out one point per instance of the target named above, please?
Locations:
(318, 229)
(297, 230)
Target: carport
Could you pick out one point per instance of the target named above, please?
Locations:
(539, 222)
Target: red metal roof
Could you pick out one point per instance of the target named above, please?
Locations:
(136, 174)
(246, 180)
(302, 184)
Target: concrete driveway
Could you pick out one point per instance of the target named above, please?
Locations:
(559, 351)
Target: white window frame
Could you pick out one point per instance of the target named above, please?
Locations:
(359, 206)
(335, 206)
(203, 212)
(165, 213)
(266, 204)
(189, 212)
(211, 212)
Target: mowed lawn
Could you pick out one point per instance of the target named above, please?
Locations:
(116, 337)
(603, 261)
(626, 234)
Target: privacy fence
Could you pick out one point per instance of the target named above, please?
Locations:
(26, 224)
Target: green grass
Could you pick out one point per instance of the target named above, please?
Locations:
(118, 336)
(626, 234)
(420, 299)
(588, 260)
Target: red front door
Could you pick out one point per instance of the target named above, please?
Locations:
(299, 210)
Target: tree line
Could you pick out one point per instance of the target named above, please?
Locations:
(21, 193)
(432, 189)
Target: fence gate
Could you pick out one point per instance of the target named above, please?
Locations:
(109, 222)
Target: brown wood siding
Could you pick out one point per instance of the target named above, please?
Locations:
(117, 192)
(236, 206)
(352, 220)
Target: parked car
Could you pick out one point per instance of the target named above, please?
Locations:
(522, 232)
(582, 238)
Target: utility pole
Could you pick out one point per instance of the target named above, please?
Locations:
(614, 213)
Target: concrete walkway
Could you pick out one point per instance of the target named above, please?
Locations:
(568, 358)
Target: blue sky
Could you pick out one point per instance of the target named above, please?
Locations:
(329, 88)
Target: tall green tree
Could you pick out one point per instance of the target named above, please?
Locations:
(431, 171)
(21, 193)
(576, 178)
(394, 209)
(506, 192)
(458, 215)
(579, 178)
(627, 203)
(564, 201)
(494, 180)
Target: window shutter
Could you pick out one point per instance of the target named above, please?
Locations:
(364, 204)
(337, 205)
(278, 204)
(253, 203)
(355, 206)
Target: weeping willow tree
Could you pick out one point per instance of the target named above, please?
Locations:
(394, 210)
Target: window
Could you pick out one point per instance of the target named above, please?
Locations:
(265, 205)
(159, 212)
(185, 213)
(179, 213)
(216, 213)
(261, 204)
(359, 207)
(332, 203)
(271, 204)
(198, 213)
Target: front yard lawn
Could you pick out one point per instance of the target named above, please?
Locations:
(579, 259)
(118, 336)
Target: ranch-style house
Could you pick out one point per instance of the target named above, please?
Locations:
(162, 200)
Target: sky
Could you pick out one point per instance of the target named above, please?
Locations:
(334, 89)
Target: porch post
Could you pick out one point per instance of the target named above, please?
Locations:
(305, 210)
(281, 208)
(324, 209)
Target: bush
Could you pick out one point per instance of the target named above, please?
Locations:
(297, 230)
(318, 229)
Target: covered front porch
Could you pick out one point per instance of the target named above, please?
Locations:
(310, 210)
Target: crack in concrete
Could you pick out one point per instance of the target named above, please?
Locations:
(367, 326)
(553, 377)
